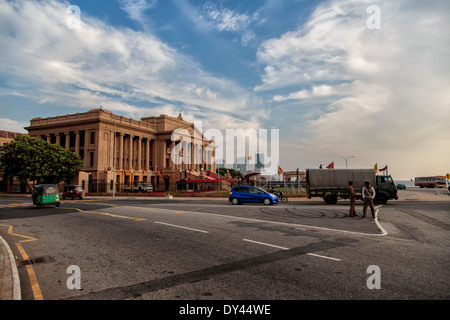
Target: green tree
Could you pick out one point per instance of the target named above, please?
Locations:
(30, 159)
(233, 173)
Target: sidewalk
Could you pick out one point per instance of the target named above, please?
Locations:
(9, 276)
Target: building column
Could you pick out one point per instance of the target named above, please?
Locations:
(67, 145)
(130, 153)
(48, 137)
(147, 155)
(86, 153)
(139, 159)
(77, 142)
(58, 139)
(121, 138)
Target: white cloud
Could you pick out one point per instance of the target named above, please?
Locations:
(317, 91)
(123, 70)
(388, 88)
(137, 8)
(224, 19)
(13, 125)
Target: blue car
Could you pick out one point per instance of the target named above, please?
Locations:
(242, 194)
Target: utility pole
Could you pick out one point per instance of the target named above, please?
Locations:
(346, 161)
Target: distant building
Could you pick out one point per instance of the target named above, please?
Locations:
(259, 162)
(142, 148)
(7, 136)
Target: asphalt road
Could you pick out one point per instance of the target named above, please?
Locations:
(209, 249)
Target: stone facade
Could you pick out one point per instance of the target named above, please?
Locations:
(8, 136)
(142, 148)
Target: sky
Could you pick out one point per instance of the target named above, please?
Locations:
(337, 78)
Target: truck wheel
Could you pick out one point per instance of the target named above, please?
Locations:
(382, 199)
(330, 198)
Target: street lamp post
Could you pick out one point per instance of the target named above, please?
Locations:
(346, 160)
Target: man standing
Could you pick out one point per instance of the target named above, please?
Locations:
(351, 196)
(368, 194)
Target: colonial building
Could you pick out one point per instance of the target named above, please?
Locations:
(8, 136)
(139, 150)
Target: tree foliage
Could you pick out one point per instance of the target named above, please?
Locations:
(233, 173)
(28, 158)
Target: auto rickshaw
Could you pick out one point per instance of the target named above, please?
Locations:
(45, 194)
(72, 192)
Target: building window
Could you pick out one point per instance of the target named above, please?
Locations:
(91, 159)
(92, 140)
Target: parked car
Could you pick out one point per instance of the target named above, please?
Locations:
(144, 187)
(243, 194)
(401, 186)
(147, 187)
(72, 191)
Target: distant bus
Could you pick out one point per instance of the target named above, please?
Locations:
(430, 182)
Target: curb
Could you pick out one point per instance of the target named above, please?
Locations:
(12, 275)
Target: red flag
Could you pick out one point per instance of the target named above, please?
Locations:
(280, 171)
(331, 165)
(384, 169)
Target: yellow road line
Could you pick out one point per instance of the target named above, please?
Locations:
(117, 216)
(31, 275)
(10, 228)
(159, 210)
(107, 214)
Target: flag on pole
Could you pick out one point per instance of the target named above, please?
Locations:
(159, 174)
(331, 165)
(384, 169)
(375, 167)
(280, 171)
(447, 176)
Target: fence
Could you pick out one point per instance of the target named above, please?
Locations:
(189, 186)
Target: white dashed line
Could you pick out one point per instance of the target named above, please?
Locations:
(266, 244)
(176, 226)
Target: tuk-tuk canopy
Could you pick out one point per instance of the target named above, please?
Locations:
(46, 189)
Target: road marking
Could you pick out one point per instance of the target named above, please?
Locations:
(12, 205)
(158, 210)
(383, 232)
(10, 228)
(266, 244)
(283, 248)
(31, 275)
(324, 257)
(117, 216)
(288, 224)
(177, 226)
(107, 214)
